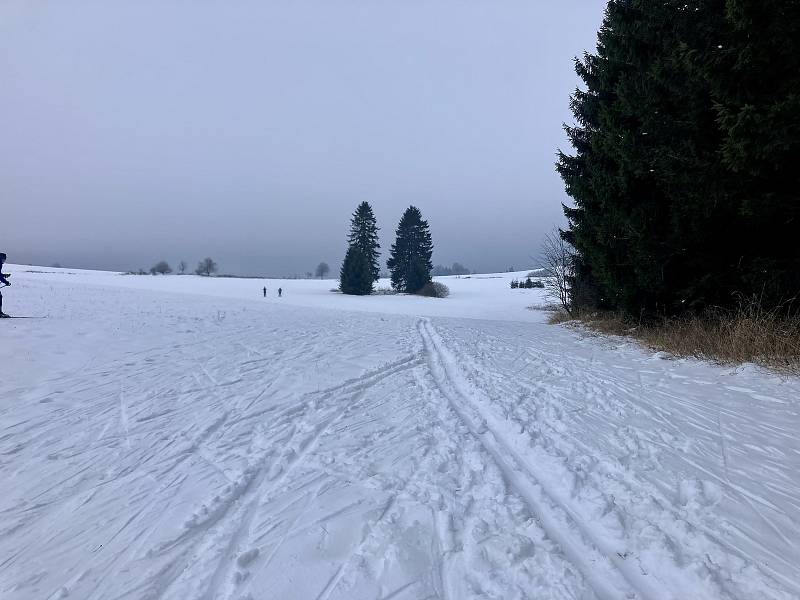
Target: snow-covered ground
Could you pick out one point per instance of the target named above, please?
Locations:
(184, 438)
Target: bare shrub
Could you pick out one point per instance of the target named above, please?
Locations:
(322, 270)
(559, 260)
(434, 289)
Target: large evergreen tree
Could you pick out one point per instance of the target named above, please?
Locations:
(661, 219)
(410, 261)
(360, 268)
(364, 235)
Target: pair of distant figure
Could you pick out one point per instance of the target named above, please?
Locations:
(280, 292)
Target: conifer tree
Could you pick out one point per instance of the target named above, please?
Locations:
(364, 235)
(360, 268)
(355, 277)
(410, 261)
(683, 179)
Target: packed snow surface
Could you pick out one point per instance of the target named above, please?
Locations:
(184, 438)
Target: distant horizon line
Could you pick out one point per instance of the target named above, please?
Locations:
(234, 276)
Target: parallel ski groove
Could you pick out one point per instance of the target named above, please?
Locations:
(606, 578)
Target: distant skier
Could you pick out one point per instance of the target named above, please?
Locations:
(280, 291)
(265, 291)
(4, 280)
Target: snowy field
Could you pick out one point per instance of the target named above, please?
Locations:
(184, 438)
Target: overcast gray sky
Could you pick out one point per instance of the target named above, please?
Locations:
(132, 131)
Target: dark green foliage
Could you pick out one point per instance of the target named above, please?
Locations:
(355, 277)
(410, 261)
(418, 274)
(360, 267)
(684, 178)
(528, 284)
(364, 235)
(756, 89)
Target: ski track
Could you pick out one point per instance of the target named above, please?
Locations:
(227, 452)
(605, 576)
(545, 452)
(349, 396)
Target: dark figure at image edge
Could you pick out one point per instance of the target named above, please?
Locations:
(4, 281)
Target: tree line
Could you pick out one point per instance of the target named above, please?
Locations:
(455, 269)
(208, 267)
(528, 284)
(409, 260)
(205, 267)
(684, 171)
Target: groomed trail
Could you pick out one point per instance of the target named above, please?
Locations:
(170, 444)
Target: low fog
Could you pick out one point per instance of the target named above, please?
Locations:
(249, 131)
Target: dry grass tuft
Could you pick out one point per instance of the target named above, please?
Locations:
(558, 316)
(747, 335)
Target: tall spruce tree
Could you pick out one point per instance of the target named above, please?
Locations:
(364, 235)
(360, 268)
(410, 261)
(661, 219)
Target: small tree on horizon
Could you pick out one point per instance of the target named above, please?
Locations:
(206, 267)
(459, 269)
(410, 261)
(182, 266)
(161, 268)
(322, 269)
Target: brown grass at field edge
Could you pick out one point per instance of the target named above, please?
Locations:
(748, 335)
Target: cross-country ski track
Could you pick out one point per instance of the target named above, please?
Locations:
(182, 438)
